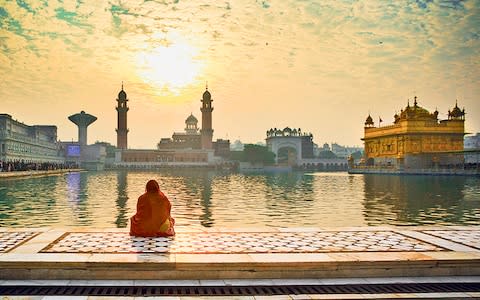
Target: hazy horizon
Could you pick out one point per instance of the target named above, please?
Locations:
(321, 66)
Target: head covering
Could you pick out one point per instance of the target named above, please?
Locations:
(152, 186)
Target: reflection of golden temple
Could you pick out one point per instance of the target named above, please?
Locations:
(415, 200)
(416, 140)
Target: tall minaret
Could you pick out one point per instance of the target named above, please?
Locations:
(122, 130)
(207, 131)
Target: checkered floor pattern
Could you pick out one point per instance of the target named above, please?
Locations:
(469, 238)
(244, 242)
(10, 240)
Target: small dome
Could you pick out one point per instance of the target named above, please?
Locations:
(207, 95)
(122, 95)
(369, 120)
(191, 119)
(456, 112)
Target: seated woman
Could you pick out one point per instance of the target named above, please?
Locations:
(153, 214)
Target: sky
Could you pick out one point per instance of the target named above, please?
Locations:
(321, 66)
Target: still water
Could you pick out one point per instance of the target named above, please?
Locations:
(212, 199)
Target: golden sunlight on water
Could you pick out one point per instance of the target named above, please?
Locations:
(170, 66)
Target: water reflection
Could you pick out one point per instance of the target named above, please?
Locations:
(122, 198)
(287, 195)
(206, 218)
(78, 185)
(28, 201)
(210, 199)
(190, 192)
(73, 187)
(409, 200)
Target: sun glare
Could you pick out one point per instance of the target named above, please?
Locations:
(169, 68)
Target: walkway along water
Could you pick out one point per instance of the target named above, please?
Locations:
(109, 253)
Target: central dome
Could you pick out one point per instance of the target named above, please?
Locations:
(416, 112)
(191, 119)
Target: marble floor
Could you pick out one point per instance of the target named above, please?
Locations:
(11, 239)
(239, 242)
(229, 253)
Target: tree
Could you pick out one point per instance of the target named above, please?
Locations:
(237, 155)
(254, 154)
(258, 154)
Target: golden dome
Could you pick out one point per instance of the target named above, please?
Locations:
(416, 112)
(456, 112)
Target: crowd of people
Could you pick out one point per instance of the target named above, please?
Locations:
(20, 165)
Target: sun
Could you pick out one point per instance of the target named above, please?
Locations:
(169, 68)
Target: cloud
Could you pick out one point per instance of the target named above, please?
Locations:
(8, 23)
(377, 49)
(72, 18)
(26, 6)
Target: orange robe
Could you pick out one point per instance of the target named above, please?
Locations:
(153, 216)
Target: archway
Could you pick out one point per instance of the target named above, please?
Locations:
(287, 156)
(293, 143)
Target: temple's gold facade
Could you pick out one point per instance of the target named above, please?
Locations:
(417, 139)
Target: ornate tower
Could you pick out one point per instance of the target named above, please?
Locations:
(206, 131)
(122, 130)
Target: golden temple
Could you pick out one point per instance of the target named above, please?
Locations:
(416, 140)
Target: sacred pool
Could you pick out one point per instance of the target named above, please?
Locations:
(202, 198)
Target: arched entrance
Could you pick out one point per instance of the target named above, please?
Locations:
(291, 145)
(287, 156)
